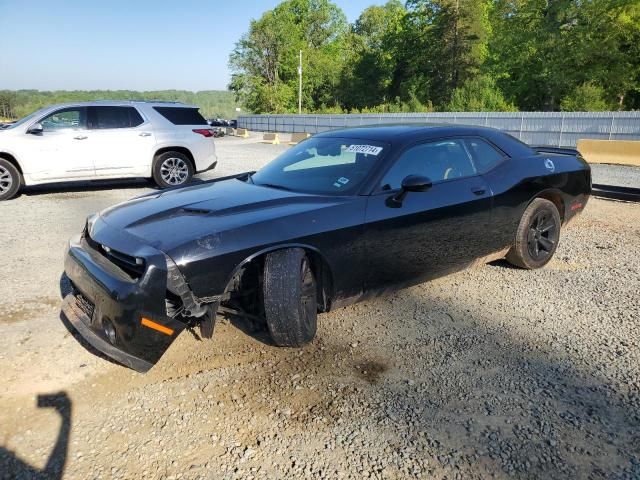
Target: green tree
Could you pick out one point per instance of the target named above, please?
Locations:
(447, 43)
(479, 94)
(22, 102)
(372, 56)
(265, 60)
(587, 97)
(7, 105)
(542, 50)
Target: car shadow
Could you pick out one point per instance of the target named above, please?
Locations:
(250, 325)
(14, 467)
(503, 263)
(94, 186)
(489, 401)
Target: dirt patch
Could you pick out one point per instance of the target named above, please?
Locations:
(30, 310)
(371, 371)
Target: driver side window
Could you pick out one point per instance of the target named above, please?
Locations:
(438, 161)
(65, 119)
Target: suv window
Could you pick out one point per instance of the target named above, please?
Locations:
(65, 119)
(441, 160)
(114, 117)
(181, 115)
(484, 155)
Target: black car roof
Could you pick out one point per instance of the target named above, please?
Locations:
(405, 133)
(397, 131)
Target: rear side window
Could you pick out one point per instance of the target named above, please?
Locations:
(181, 115)
(484, 155)
(114, 117)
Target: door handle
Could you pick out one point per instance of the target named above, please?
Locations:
(479, 190)
(80, 137)
(145, 134)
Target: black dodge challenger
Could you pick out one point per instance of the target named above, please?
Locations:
(340, 217)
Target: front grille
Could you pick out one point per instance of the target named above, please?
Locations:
(125, 262)
(85, 305)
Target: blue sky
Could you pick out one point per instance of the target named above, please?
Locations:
(134, 44)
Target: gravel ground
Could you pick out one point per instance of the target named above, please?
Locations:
(492, 372)
(618, 175)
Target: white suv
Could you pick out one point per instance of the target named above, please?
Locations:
(166, 141)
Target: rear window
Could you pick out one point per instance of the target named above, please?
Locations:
(181, 115)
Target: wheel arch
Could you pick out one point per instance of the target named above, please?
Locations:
(319, 265)
(555, 197)
(12, 160)
(175, 148)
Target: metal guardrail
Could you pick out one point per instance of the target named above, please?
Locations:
(535, 128)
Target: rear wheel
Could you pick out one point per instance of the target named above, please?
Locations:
(290, 297)
(172, 169)
(10, 180)
(537, 236)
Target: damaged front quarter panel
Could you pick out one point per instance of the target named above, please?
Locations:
(123, 307)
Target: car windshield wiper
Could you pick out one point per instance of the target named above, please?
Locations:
(273, 185)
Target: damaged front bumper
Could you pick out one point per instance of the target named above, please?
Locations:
(119, 301)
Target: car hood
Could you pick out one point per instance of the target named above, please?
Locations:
(198, 214)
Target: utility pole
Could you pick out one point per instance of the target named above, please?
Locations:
(300, 85)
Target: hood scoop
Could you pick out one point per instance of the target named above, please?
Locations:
(171, 213)
(207, 208)
(289, 199)
(195, 211)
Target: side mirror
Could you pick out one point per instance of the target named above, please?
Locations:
(416, 183)
(35, 129)
(410, 183)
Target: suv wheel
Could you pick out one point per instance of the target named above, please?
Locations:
(10, 180)
(172, 169)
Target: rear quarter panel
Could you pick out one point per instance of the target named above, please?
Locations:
(517, 181)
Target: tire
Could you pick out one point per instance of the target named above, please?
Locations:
(10, 180)
(537, 236)
(172, 169)
(290, 297)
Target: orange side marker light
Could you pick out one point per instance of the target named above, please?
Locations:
(156, 326)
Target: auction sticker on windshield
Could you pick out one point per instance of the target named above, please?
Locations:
(368, 149)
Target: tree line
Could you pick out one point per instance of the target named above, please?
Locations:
(442, 55)
(19, 103)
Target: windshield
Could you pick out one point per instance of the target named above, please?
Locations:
(28, 118)
(335, 166)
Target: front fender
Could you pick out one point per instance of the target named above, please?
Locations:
(327, 269)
